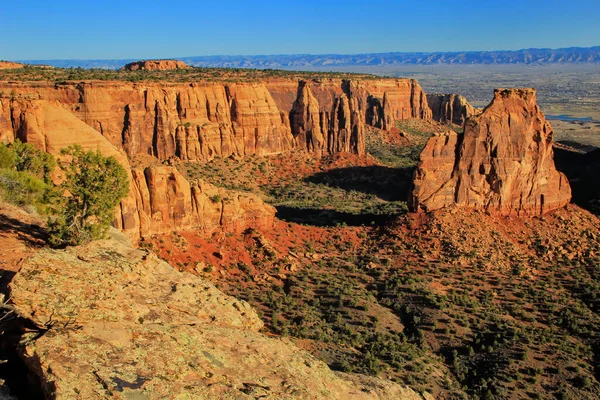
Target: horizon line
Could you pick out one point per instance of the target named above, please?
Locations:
(304, 54)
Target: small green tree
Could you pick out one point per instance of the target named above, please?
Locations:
(7, 157)
(29, 159)
(93, 186)
(25, 176)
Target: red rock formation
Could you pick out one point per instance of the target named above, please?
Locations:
(339, 128)
(156, 65)
(450, 108)
(503, 163)
(10, 65)
(167, 202)
(200, 121)
(307, 124)
(50, 127)
(160, 200)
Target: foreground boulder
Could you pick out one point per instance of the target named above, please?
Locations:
(120, 323)
(503, 163)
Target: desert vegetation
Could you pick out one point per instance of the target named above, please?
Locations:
(194, 74)
(458, 304)
(81, 207)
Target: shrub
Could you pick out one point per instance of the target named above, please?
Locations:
(7, 156)
(25, 176)
(36, 162)
(23, 189)
(94, 185)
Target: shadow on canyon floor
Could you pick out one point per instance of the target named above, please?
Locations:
(390, 184)
(325, 218)
(582, 170)
(375, 194)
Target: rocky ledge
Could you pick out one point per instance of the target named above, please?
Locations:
(116, 322)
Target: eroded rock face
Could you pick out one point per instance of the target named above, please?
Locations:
(203, 120)
(328, 130)
(123, 324)
(155, 65)
(167, 202)
(49, 127)
(503, 163)
(161, 200)
(450, 108)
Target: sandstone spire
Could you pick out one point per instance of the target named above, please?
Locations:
(503, 163)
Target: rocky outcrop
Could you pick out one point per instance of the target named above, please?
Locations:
(115, 322)
(49, 127)
(204, 120)
(308, 124)
(503, 163)
(450, 108)
(10, 65)
(161, 200)
(167, 202)
(156, 65)
(334, 129)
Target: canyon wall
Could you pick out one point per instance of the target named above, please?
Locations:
(503, 163)
(450, 108)
(203, 120)
(160, 200)
(168, 202)
(199, 121)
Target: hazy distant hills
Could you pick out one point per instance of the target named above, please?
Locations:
(525, 56)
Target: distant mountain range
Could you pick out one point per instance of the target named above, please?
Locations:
(570, 55)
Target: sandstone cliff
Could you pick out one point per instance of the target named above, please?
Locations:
(203, 120)
(167, 202)
(49, 127)
(503, 163)
(450, 108)
(161, 200)
(334, 128)
(115, 322)
(155, 65)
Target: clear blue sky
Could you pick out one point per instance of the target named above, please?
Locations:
(61, 29)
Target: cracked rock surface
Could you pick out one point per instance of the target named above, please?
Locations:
(117, 322)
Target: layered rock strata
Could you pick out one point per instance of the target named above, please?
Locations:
(115, 322)
(334, 128)
(168, 202)
(160, 200)
(502, 163)
(450, 108)
(204, 120)
(156, 65)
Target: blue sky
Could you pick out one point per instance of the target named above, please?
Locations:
(62, 29)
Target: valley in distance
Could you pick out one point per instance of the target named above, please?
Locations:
(377, 232)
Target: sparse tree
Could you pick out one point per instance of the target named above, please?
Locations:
(93, 186)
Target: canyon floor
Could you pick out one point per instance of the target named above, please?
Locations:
(457, 303)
